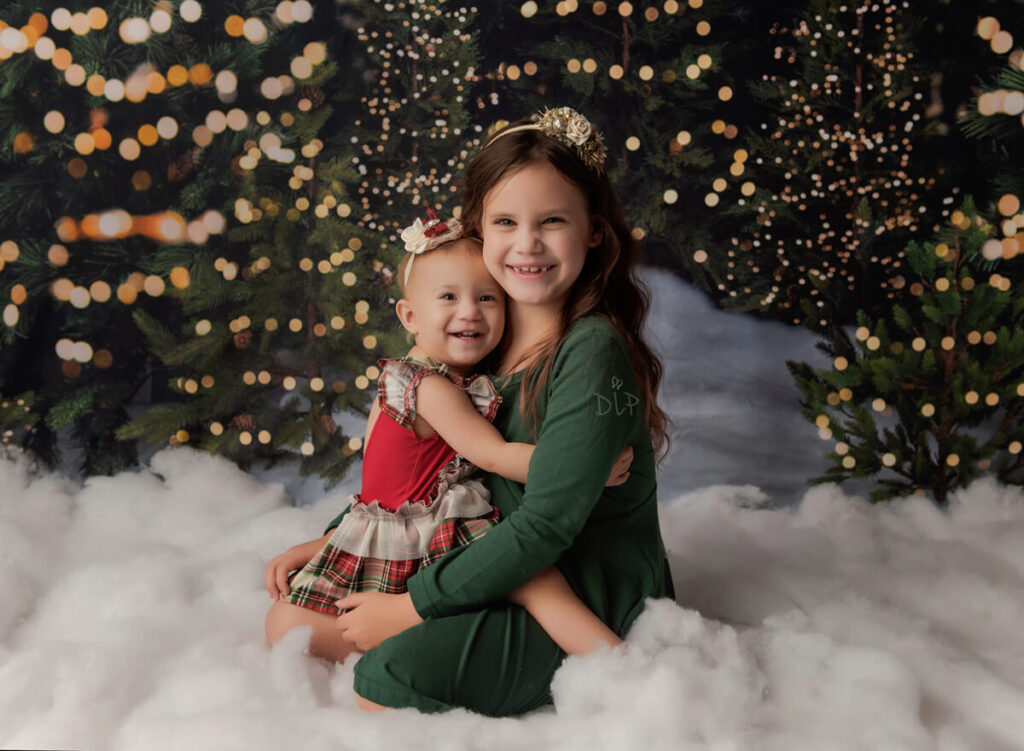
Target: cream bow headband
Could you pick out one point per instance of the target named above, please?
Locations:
(419, 237)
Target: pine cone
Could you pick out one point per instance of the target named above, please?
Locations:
(186, 43)
(180, 168)
(243, 422)
(327, 423)
(313, 93)
(242, 339)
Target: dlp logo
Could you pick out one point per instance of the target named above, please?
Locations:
(617, 400)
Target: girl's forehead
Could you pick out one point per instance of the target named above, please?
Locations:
(533, 182)
(461, 262)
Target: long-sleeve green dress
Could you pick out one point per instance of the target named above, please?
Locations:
(476, 650)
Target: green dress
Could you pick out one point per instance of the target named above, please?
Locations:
(474, 649)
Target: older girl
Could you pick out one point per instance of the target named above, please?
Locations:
(580, 381)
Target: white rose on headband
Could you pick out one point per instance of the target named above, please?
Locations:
(579, 129)
(415, 238)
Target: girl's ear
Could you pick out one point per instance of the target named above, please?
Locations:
(596, 235)
(406, 316)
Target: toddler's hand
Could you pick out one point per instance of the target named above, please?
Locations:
(620, 470)
(279, 568)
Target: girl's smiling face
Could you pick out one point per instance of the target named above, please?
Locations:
(453, 306)
(536, 231)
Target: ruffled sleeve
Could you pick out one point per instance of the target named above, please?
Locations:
(482, 393)
(400, 378)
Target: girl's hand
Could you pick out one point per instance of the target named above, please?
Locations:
(374, 617)
(620, 470)
(275, 576)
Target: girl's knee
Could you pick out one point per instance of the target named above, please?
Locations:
(368, 706)
(281, 618)
(393, 681)
(325, 640)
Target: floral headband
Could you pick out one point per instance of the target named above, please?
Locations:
(572, 129)
(419, 237)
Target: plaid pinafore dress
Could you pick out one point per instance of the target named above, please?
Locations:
(419, 499)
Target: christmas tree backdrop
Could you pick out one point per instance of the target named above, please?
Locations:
(200, 205)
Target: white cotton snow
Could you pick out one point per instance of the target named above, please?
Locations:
(133, 605)
(134, 610)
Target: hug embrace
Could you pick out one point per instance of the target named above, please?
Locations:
(504, 521)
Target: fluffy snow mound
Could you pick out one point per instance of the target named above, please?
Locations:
(133, 619)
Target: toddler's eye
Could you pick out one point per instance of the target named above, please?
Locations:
(448, 296)
(488, 298)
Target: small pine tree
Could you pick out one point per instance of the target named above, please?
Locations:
(832, 190)
(931, 393)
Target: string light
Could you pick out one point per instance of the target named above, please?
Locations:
(191, 11)
(135, 30)
(166, 226)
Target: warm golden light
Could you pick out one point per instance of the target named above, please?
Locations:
(234, 25)
(200, 74)
(180, 277)
(1009, 204)
(177, 75)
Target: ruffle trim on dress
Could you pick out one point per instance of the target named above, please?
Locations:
(400, 377)
(372, 531)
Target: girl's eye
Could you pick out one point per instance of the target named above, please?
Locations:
(503, 222)
(487, 298)
(553, 219)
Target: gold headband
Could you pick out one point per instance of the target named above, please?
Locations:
(572, 129)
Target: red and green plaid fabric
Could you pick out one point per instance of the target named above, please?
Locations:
(336, 573)
(454, 533)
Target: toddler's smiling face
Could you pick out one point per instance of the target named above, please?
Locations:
(453, 306)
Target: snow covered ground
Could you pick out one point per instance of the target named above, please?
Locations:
(133, 605)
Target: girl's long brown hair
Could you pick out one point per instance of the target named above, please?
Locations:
(607, 285)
